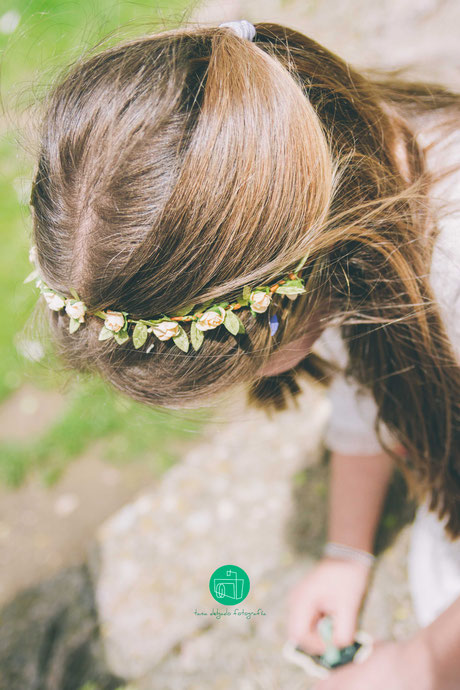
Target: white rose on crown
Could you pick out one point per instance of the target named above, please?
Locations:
(114, 320)
(260, 301)
(53, 300)
(76, 310)
(211, 319)
(166, 330)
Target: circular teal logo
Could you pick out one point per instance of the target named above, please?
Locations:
(229, 585)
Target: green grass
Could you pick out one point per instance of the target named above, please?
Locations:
(50, 34)
(93, 412)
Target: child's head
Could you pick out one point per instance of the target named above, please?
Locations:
(177, 168)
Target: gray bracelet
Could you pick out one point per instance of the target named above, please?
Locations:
(334, 550)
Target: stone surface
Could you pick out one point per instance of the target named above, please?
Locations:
(233, 656)
(227, 502)
(226, 656)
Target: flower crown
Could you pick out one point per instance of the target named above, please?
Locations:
(204, 318)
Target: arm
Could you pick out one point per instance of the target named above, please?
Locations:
(360, 473)
(336, 587)
(358, 485)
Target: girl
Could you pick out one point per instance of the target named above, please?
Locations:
(208, 203)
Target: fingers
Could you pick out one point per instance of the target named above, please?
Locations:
(302, 628)
(303, 618)
(311, 641)
(334, 589)
(345, 620)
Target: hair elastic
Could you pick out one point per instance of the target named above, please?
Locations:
(242, 28)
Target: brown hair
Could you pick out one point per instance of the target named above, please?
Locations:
(176, 168)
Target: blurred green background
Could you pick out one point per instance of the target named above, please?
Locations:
(37, 39)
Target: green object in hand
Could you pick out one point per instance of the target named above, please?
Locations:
(332, 654)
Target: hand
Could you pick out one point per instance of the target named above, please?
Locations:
(399, 666)
(333, 588)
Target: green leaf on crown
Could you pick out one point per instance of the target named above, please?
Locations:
(302, 262)
(181, 340)
(298, 282)
(124, 328)
(232, 322)
(154, 322)
(185, 310)
(105, 333)
(241, 328)
(121, 337)
(74, 325)
(140, 334)
(246, 292)
(74, 294)
(201, 309)
(291, 287)
(196, 336)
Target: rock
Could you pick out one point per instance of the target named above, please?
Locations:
(232, 648)
(227, 502)
(215, 656)
(388, 612)
(49, 638)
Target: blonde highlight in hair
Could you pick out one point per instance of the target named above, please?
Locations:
(178, 167)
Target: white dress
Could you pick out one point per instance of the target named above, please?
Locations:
(434, 560)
